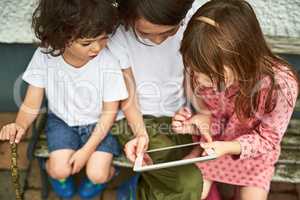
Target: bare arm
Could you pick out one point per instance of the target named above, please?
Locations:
(26, 115)
(103, 126)
(130, 106)
(134, 117)
(185, 122)
(81, 156)
(29, 109)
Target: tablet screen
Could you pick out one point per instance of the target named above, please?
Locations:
(169, 154)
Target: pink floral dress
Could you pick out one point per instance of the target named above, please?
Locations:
(260, 137)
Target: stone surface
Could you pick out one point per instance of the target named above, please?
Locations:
(298, 190)
(109, 195)
(34, 176)
(16, 20)
(282, 187)
(32, 195)
(6, 118)
(23, 162)
(282, 196)
(6, 189)
(277, 18)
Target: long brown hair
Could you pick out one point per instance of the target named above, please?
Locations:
(237, 42)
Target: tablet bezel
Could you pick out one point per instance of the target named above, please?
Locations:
(138, 165)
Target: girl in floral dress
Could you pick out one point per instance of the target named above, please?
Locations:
(243, 95)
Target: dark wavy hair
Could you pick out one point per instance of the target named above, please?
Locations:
(161, 12)
(58, 22)
(236, 41)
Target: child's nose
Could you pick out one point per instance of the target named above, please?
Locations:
(96, 46)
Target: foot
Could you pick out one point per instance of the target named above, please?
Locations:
(63, 188)
(89, 190)
(127, 190)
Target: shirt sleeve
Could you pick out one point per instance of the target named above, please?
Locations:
(118, 46)
(35, 73)
(114, 87)
(268, 135)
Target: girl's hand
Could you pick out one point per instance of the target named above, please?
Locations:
(183, 122)
(12, 132)
(178, 122)
(136, 146)
(222, 148)
(147, 160)
(195, 152)
(79, 159)
(202, 123)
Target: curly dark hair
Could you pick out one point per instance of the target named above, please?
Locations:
(58, 22)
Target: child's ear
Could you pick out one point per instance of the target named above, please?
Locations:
(70, 42)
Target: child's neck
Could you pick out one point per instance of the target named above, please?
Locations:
(73, 61)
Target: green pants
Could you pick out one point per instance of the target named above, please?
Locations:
(174, 183)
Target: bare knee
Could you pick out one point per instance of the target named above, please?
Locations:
(206, 188)
(58, 171)
(98, 177)
(98, 168)
(249, 193)
(57, 165)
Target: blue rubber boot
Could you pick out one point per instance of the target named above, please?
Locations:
(127, 190)
(88, 190)
(63, 188)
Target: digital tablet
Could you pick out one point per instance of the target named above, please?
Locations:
(156, 158)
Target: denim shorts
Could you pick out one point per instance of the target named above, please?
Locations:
(62, 136)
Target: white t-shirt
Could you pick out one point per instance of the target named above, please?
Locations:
(157, 69)
(76, 94)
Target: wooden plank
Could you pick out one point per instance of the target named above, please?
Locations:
(41, 149)
(122, 161)
(293, 128)
(291, 140)
(297, 107)
(286, 45)
(289, 156)
(287, 168)
(287, 173)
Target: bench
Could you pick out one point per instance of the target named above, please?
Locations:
(287, 168)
